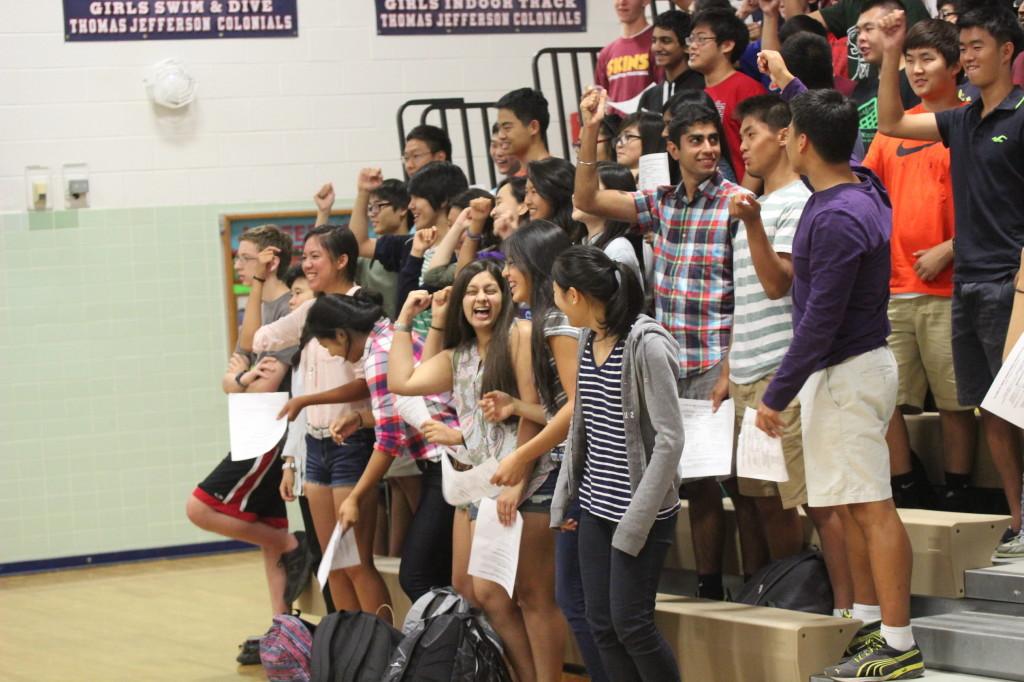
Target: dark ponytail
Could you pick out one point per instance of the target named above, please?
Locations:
(332, 313)
(591, 272)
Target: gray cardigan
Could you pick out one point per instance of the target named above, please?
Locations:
(654, 434)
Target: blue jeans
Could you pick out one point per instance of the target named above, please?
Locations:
(569, 595)
(620, 595)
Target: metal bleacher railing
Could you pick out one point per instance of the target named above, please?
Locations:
(547, 78)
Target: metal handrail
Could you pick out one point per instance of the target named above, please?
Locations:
(442, 106)
(554, 53)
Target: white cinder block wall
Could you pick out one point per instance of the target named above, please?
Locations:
(274, 117)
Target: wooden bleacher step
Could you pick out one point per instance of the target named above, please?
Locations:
(726, 642)
(973, 642)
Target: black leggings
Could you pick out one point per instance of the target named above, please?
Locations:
(427, 551)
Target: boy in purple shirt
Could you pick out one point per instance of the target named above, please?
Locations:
(845, 374)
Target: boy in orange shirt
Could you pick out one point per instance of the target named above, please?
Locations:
(917, 175)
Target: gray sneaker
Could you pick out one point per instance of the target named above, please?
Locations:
(878, 662)
(1012, 549)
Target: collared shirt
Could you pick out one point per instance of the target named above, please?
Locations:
(987, 163)
(693, 293)
(394, 436)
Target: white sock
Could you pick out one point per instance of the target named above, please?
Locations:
(867, 613)
(841, 613)
(900, 639)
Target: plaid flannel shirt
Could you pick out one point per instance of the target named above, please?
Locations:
(394, 436)
(693, 290)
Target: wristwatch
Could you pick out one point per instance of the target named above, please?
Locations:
(289, 465)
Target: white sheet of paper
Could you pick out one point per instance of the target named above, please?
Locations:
(495, 552)
(341, 552)
(253, 424)
(463, 487)
(1005, 398)
(413, 410)
(653, 171)
(758, 455)
(707, 447)
(629, 106)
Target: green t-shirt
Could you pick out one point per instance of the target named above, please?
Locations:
(841, 20)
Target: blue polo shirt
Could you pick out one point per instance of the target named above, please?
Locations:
(987, 162)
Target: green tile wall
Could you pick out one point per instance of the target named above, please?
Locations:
(112, 343)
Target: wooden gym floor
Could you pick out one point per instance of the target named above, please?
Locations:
(176, 619)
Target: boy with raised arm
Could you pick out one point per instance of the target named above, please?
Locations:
(845, 375)
(917, 177)
(986, 145)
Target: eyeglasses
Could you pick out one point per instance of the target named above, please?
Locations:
(626, 138)
(413, 157)
(375, 208)
(947, 14)
(698, 40)
(245, 259)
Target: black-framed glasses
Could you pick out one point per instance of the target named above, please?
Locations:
(698, 40)
(413, 157)
(947, 14)
(377, 207)
(626, 138)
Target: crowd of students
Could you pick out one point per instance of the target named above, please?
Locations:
(820, 258)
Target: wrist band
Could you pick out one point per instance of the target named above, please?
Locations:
(586, 163)
(474, 237)
(261, 280)
(238, 378)
(401, 327)
(289, 466)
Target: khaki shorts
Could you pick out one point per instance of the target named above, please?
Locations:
(845, 412)
(922, 343)
(793, 492)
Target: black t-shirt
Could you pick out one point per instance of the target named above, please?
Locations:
(392, 251)
(987, 165)
(657, 97)
(865, 96)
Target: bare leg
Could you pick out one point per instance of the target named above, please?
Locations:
(382, 529)
(890, 557)
(535, 590)
(367, 581)
(462, 542)
(857, 558)
(325, 516)
(898, 439)
(707, 522)
(272, 542)
(405, 500)
(833, 547)
(783, 529)
(1004, 444)
(753, 544)
(507, 620)
(959, 440)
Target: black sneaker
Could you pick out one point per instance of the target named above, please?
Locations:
(872, 632)
(878, 662)
(298, 566)
(250, 651)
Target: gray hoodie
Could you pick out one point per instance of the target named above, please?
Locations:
(654, 434)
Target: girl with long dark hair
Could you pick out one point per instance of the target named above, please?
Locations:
(549, 185)
(484, 350)
(621, 465)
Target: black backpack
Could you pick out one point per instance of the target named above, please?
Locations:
(450, 647)
(798, 583)
(352, 646)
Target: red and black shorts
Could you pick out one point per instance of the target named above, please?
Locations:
(247, 490)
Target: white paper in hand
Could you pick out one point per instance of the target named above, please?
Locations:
(253, 424)
(758, 455)
(653, 171)
(1005, 398)
(341, 552)
(413, 410)
(707, 436)
(495, 552)
(463, 487)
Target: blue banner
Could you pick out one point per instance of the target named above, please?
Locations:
(92, 20)
(454, 17)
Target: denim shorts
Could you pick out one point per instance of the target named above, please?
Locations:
(537, 503)
(981, 314)
(330, 464)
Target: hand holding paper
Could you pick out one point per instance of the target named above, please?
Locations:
(759, 455)
(341, 552)
(463, 487)
(707, 448)
(495, 552)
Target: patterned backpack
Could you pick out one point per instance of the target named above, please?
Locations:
(286, 649)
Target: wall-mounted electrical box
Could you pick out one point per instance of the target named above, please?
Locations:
(38, 188)
(76, 185)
